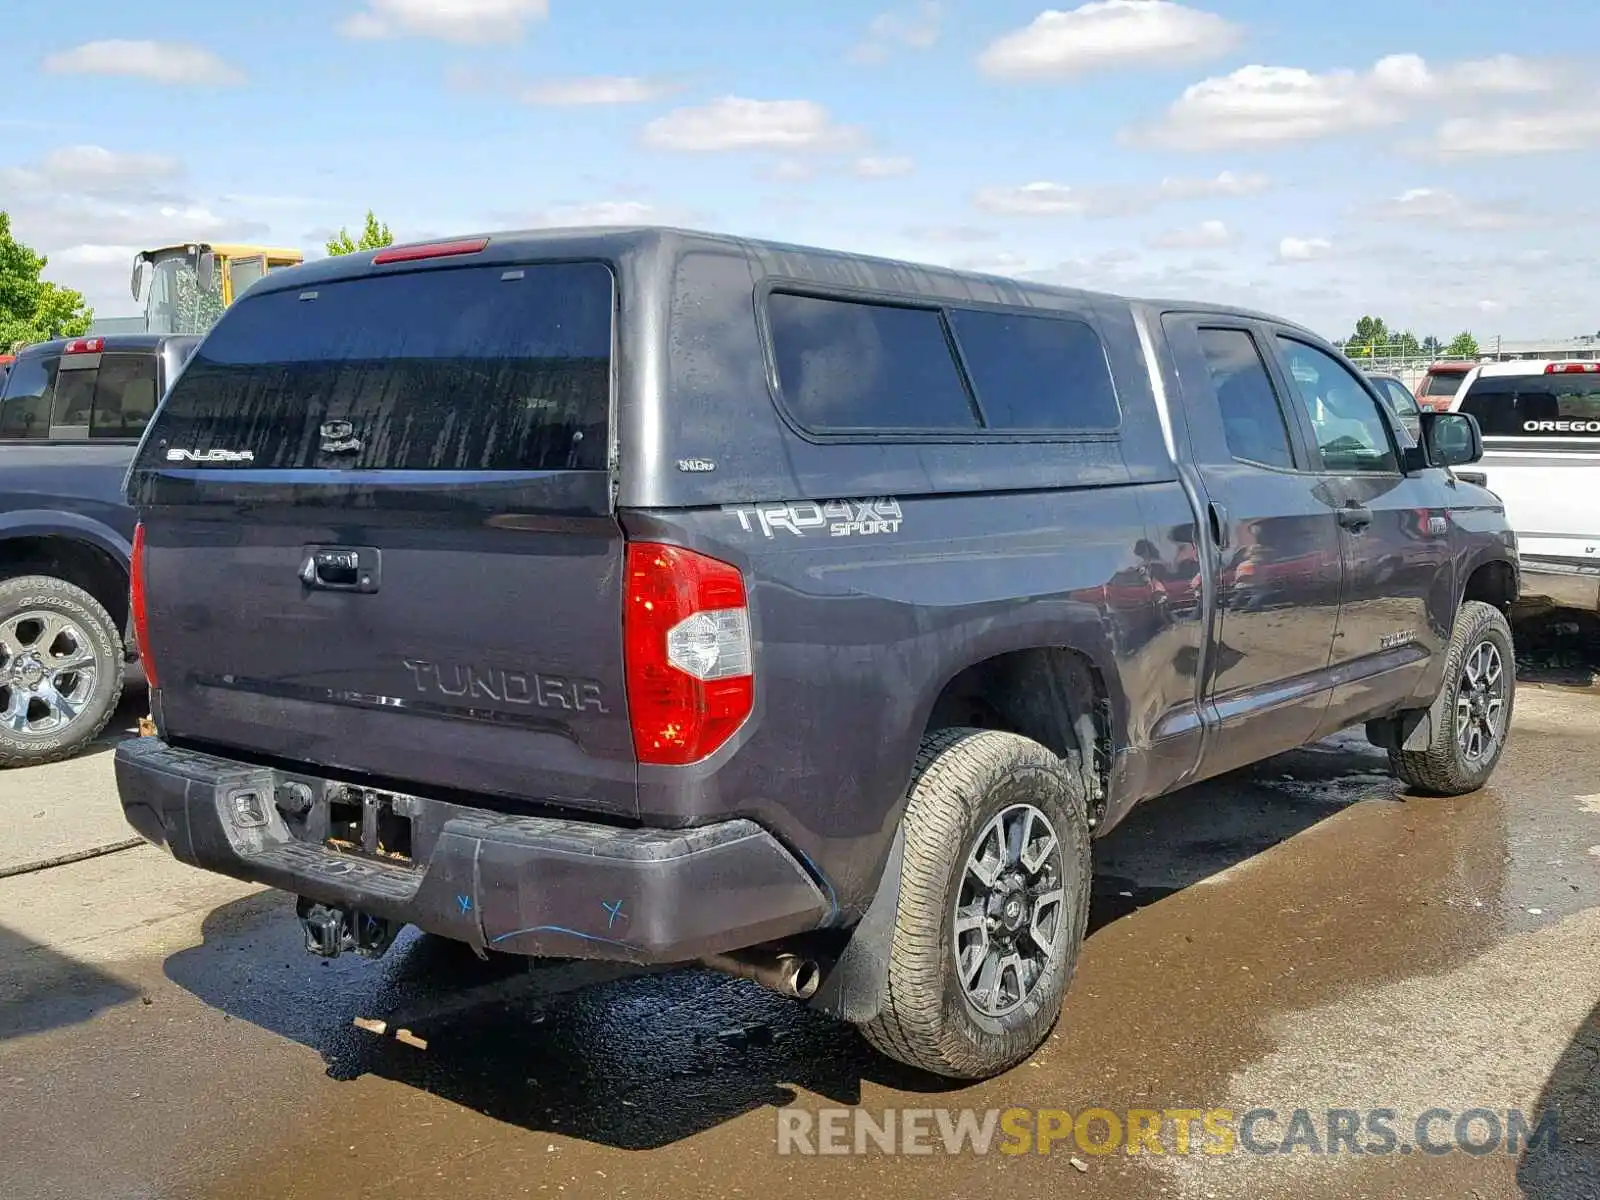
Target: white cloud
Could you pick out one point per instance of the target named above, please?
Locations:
(1043, 199)
(158, 62)
(463, 21)
(602, 212)
(1206, 235)
(93, 171)
(1553, 131)
(1108, 33)
(1227, 183)
(945, 235)
(1447, 210)
(883, 168)
(1293, 249)
(735, 123)
(1260, 106)
(912, 29)
(1032, 200)
(789, 170)
(596, 89)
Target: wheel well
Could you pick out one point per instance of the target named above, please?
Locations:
(1053, 695)
(80, 563)
(1493, 583)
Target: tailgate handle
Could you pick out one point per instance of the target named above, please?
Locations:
(341, 568)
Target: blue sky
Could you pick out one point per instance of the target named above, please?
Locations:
(1429, 162)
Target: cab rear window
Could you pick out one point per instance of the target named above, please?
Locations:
(1536, 406)
(453, 369)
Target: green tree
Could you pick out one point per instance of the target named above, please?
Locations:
(1432, 345)
(31, 308)
(1370, 337)
(1464, 346)
(374, 236)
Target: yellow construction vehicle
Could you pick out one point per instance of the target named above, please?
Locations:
(184, 288)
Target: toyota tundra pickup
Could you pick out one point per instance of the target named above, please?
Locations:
(671, 598)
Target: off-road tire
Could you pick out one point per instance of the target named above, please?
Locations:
(963, 779)
(1443, 768)
(45, 593)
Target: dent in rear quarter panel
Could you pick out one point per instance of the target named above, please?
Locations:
(856, 635)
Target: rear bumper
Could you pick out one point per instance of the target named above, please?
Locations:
(526, 885)
(1564, 585)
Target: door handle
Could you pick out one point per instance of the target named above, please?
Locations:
(1219, 525)
(341, 569)
(1355, 518)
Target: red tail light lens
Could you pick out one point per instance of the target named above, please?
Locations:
(396, 254)
(85, 346)
(136, 601)
(1575, 368)
(686, 637)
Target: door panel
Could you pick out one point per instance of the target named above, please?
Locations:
(1394, 537)
(1276, 545)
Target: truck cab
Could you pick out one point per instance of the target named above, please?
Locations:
(71, 413)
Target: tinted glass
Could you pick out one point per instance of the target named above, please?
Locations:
(1539, 406)
(124, 395)
(476, 368)
(74, 397)
(1036, 372)
(1402, 404)
(1442, 385)
(1251, 416)
(25, 407)
(849, 366)
(1350, 432)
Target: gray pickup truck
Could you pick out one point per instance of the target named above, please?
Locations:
(71, 413)
(665, 598)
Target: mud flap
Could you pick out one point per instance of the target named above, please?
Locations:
(853, 989)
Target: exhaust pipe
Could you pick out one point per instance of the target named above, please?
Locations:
(787, 974)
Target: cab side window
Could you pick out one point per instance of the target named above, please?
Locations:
(1351, 433)
(1252, 419)
(29, 393)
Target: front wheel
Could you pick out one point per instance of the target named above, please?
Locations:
(1479, 689)
(60, 670)
(994, 899)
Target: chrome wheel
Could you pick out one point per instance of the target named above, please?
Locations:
(1481, 703)
(1008, 911)
(47, 673)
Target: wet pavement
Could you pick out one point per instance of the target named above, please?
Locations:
(1298, 935)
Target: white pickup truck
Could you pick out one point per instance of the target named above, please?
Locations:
(1541, 434)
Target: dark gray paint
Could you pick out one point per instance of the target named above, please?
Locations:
(1100, 545)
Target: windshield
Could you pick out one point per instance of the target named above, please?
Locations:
(1536, 406)
(175, 304)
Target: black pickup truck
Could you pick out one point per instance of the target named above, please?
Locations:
(71, 412)
(669, 598)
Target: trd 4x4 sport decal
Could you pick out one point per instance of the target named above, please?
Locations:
(803, 518)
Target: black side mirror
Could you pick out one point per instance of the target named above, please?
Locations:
(1452, 439)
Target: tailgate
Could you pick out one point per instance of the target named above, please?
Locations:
(378, 535)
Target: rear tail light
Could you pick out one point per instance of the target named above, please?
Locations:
(85, 346)
(1576, 368)
(394, 254)
(686, 638)
(136, 601)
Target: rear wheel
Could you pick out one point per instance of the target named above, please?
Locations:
(1480, 687)
(994, 899)
(60, 670)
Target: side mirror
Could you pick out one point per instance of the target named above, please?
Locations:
(137, 282)
(205, 269)
(1453, 439)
